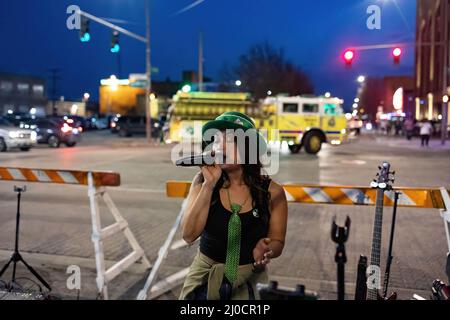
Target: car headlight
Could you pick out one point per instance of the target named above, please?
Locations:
(13, 134)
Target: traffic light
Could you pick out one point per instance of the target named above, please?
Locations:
(115, 46)
(349, 55)
(396, 53)
(84, 30)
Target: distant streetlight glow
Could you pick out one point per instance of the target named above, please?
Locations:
(355, 105)
(33, 111)
(361, 79)
(356, 100)
(445, 99)
(327, 94)
(238, 83)
(269, 93)
(86, 96)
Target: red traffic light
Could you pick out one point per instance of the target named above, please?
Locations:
(396, 53)
(349, 55)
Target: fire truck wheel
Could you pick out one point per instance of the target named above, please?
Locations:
(295, 148)
(312, 143)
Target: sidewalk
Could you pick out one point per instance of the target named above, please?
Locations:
(413, 144)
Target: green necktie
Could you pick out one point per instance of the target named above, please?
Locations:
(233, 244)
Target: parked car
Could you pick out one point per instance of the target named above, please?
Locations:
(73, 121)
(98, 122)
(13, 137)
(127, 126)
(113, 123)
(53, 131)
(101, 123)
(16, 117)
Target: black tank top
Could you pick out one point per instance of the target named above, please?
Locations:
(213, 241)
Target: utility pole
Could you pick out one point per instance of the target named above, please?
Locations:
(55, 77)
(200, 62)
(148, 88)
(445, 66)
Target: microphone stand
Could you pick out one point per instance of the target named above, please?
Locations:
(16, 256)
(340, 236)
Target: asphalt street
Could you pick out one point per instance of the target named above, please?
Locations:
(56, 222)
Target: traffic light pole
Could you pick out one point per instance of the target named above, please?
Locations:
(145, 40)
(444, 121)
(148, 88)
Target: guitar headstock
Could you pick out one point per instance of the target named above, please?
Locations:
(384, 178)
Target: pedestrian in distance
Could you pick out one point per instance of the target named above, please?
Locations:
(425, 132)
(409, 128)
(238, 212)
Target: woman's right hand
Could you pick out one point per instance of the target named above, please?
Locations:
(211, 174)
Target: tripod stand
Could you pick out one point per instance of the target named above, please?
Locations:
(16, 257)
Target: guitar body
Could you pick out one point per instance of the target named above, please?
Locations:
(363, 290)
(392, 296)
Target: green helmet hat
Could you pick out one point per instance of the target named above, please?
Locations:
(235, 120)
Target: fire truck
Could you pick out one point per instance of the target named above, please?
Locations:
(298, 121)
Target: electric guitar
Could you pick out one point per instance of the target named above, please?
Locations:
(370, 281)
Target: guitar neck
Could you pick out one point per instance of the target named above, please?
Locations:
(376, 239)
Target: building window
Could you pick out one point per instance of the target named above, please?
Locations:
(38, 90)
(23, 88)
(6, 86)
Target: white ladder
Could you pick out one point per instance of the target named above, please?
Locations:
(104, 276)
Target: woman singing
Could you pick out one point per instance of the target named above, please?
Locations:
(239, 213)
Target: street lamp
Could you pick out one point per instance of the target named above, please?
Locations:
(86, 96)
(355, 105)
(361, 79)
(269, 93)
(327, 94)
(356, 100)
(114, 83)
(445, 99)
(238, 83)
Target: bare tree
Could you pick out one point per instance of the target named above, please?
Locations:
(265, 68)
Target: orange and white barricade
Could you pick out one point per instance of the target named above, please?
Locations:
(96, 181)
(437, 198)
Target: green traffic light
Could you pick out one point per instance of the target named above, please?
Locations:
(85, 37)
(115, 48)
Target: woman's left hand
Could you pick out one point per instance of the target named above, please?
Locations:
(262, 253)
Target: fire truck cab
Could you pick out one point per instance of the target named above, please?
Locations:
(304, 121)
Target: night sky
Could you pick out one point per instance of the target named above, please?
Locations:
(313, 34)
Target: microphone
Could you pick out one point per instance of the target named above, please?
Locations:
(206, 158)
